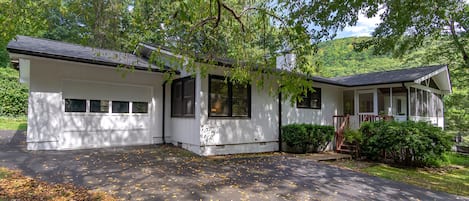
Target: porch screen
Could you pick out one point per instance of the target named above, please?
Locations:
(365, 103)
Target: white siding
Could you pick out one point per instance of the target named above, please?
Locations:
(49, 127)
(331, 104)
(240, 135)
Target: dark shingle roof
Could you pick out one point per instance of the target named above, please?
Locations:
(387, 77)
(72, 52)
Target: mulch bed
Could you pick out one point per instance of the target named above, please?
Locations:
(15, 186)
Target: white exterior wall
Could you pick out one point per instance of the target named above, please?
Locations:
(331, 104)
(184, 131)
(222, 135)
(49, 127)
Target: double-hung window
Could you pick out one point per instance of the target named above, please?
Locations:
(183, 97)
(227, 99)
(311, 100)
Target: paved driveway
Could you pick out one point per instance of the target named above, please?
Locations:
(168, 173)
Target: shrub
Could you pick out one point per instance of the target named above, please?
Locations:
(353, 136)
(13, 95)
(305, 136)
(409, 143)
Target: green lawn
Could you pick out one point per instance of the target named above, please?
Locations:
(453, 178)
(13, 123)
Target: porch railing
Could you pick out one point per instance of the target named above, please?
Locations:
(371, 117)
(341, 123)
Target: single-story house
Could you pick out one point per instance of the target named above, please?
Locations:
(79, 98)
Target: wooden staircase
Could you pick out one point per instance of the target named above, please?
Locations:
(341, 123)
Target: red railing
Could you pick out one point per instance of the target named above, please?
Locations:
(340, 123)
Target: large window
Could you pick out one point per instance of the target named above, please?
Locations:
(311, 100)
(228, 99)
(120, 107)
(100, 106)
(183, 97)
(75, 105)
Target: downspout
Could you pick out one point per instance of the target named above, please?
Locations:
(280, 121)
(164, 113)
(407, 101)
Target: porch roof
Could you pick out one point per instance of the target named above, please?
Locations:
(388, 77)
(72, 52)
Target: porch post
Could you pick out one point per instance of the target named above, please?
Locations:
(390, 101)
(375, 101)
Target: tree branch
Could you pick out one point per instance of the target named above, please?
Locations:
(456, 41)
(218, 14)
(238, 18)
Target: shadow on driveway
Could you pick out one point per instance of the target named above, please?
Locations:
(166, 172)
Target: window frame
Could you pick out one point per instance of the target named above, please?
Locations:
(230, 99)
(181, 101)
(309, 96)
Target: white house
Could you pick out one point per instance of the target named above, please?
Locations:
(80, 99)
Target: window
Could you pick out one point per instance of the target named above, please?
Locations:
(312, 100)
(75, 105)
(227, 99)
(120, 107)
(100, 106)
(139, 107)
(183, 97)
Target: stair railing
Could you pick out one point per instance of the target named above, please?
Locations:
(340, 123)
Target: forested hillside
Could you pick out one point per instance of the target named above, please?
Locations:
(338, 58)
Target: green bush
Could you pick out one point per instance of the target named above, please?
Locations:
(409, 143)
(353, 136)
(307, 136)
(13, 95)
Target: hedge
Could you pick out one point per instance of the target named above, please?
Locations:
(13, 95)
(409, 143)
(304, 136)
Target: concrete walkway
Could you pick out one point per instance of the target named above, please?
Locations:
(169, 173)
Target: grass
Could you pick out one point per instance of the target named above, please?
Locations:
(13, 123)
(453, 178)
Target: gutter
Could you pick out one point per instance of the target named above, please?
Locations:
(88, 61)
(280, 121)
(164, 112)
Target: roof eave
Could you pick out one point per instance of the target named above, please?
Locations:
(88, 61)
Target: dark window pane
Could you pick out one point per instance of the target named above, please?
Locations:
(183, 97)
(101, 106)
(188, 100)
(240, 100)
(176, 107)
(139, 107)
(120, 107)
(219, 98)
(311, 100)
(315, 101)
(75, 105)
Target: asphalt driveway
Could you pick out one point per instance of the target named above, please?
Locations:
(169, 173)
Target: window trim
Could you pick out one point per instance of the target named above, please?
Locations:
(230, 99)
(182, 80)
(309, 95)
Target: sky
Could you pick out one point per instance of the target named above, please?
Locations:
(364, 27)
